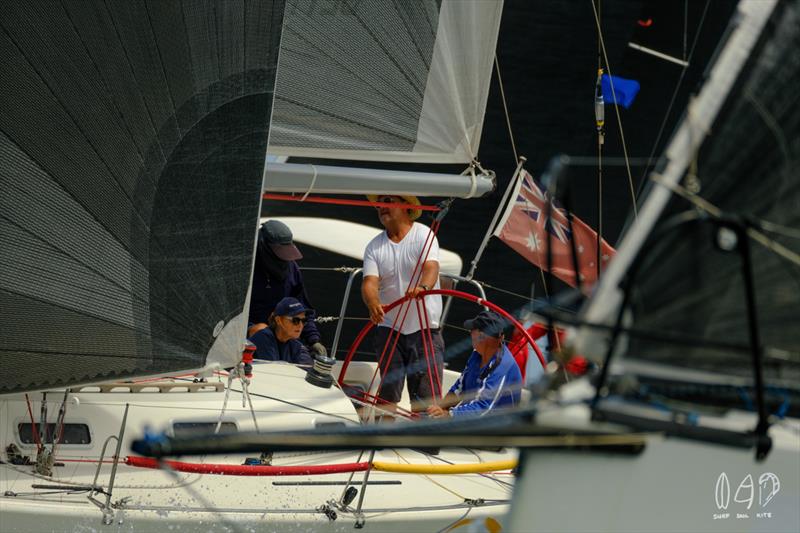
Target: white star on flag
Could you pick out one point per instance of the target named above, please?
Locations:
(533, 241)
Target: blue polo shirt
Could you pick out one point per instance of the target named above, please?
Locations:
(495, 385)
(269, 348)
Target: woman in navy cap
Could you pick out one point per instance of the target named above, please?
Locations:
(278, 341)
(275, 276)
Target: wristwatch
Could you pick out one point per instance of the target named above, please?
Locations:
(424, 287)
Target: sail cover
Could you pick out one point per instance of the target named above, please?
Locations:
(132, 143)
(688, 287)
(384, 80)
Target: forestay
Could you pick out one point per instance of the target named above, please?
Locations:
(132, 143)
(384, 81)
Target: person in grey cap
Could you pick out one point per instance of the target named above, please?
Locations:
(491, 378)
(276, 276)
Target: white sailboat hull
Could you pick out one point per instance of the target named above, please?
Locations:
(259, 508)
(674, 484)
(145, 499)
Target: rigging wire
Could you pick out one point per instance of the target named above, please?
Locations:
(188, 480)
(294, 404)
(599, 116)
(674, 96)
(685, 26)
(513, 145)
(616, 108)
(458, 521)
(440, 485)
(505, 108)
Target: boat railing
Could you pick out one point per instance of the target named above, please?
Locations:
(353, 272)
(456, 280)
(106, 507)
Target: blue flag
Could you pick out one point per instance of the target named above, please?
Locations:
(625, 90)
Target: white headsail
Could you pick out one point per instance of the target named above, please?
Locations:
(384, 81)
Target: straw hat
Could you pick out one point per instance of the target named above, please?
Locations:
(414, 213)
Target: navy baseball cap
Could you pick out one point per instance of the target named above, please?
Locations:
(290, 307)
(487, 322)
(278, 236)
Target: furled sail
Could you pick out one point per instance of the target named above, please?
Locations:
(132, 143)
(689, 284)
(384, 80)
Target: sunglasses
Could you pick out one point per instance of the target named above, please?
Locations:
(389, 200)
(297, 320)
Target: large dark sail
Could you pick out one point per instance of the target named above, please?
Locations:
(132, 143)
(688, 285)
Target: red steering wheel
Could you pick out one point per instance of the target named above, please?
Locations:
(444, 292)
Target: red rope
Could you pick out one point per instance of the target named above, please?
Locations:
(444, 292)
(357, 393)
(345, 201)
(427, 352)
(413, 281)
(248, 470)
(36, 438)
(427, 331)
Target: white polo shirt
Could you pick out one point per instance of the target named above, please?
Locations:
(393, 263)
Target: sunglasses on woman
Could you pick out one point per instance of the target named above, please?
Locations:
(297, 320)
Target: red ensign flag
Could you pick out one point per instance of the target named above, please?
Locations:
(523, 228)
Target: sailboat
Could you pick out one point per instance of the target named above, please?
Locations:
(692, 321)
(133, 145)
(692, 424)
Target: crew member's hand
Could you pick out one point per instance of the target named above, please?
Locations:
(413, 292)
(434, 411)
(376, 313)
(319, 349)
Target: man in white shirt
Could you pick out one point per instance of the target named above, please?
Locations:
(389, 262)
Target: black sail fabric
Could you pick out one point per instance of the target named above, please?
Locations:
(132, 144)
(748, 167)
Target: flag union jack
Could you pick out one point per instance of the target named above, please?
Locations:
(532, 200)
(524, 228)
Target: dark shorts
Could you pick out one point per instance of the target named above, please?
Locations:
(409, 361)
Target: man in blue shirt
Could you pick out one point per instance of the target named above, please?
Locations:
(491, 378)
